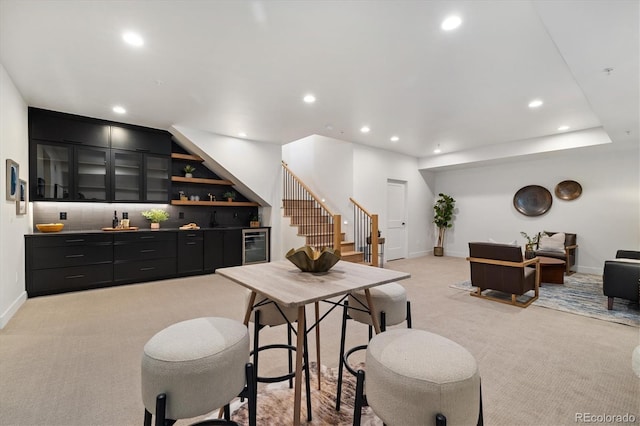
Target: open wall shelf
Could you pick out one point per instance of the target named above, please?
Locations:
(214, 203)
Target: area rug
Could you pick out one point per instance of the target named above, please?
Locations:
(581, 294)
(275, 403)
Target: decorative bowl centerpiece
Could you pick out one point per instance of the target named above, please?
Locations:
(308, 259)
(49, 227)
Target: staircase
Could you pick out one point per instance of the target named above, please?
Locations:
(315, 225)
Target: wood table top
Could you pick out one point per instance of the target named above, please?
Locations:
(550, 261)
(283, 282)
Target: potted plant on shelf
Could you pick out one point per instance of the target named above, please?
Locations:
(531, 241)
(188, 171)
(229, 195)
(255, 221)
(155, 216)
(443, 218)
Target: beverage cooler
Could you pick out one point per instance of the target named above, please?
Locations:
(255, 245)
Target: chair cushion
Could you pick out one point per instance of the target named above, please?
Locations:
(269, 313)
(388, 298)
(199, 364)
(554, 242)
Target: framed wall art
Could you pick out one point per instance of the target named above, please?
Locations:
(21, 198)
(12, 179)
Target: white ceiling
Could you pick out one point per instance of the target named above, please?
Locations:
(230, 66)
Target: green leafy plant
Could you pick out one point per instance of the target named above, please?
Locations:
(229, 195)
(531, 241)
(443, 215)
(155, 215)
(189, 168)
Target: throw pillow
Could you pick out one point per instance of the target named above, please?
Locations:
(554, 242)
(512, 243)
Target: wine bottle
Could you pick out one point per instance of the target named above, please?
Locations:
(114, 222)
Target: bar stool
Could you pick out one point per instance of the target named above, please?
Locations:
(413, 376)
(266, 313)
(193, 367)
(391, 307)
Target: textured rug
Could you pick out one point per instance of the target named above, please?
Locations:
(581, 294)
(275, 403)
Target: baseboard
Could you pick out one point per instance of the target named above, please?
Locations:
(12, 309)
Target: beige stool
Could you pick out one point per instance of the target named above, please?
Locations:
(390, 306)
(417, 377)
(266, 313)
(193, 367)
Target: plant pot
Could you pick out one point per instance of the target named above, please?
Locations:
(188, 175)
(155, 225)
(254, 224)
(438, 251)
(229, 199)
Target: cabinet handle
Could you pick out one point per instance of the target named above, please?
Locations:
(147, 269)
(143, 150)
(191, 235)
(190, 243)
(147, 251)
(78, 240)
(74, 255)
(72, 141)
(147, 238)
(68, 277)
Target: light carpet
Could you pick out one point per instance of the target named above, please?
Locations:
(581, 294)
(275, 403)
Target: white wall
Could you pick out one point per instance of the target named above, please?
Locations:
(606, 217)
(13, 145)
(338, 170)
(254, 167)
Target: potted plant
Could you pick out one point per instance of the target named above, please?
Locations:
(155, 216)
(443, 218)
(188, 171)
(531, 241)
(229, 195)
(255, 221)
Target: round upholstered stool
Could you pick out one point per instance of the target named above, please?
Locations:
(415, 377)
(390, 306)
(195, 366)
(266, 313)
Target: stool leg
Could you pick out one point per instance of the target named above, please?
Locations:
(306, 373)
(480, 415)
(256, 339)
(161, 407)
(341, 362)
(408, 314)
(290, 355)
(357, 408)
(252, 391)
(441, 420)
(383, 321)
(147, 418)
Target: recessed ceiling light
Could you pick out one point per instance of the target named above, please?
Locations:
(563, 128)
(535, 103)
(451, 23)
(119, 110)
(309, 99)
(437, 150)
(133, 39)
(365, 129)
(394, 139)
(242, 134)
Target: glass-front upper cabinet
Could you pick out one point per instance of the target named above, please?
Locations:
(126, 169)
(158, 179)
(91, 174)
(53, 172)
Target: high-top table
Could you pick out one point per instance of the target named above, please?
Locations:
(286, 285)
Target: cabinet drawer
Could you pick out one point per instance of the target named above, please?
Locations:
(144, 236)
(144, 270)
(48, 281)
(190, 236)
(59, 257)
(144, 250)
(70, 240)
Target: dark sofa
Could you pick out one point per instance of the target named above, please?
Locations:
(621, 277)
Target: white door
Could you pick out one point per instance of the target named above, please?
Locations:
(396, 239)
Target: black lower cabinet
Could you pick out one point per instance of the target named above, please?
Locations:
(79, 261)
(222, 248)
(141, 256)
(190, 252)
(71, 262)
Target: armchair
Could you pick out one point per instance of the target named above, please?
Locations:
(568, 254)
(501, 267)
(621, 277)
